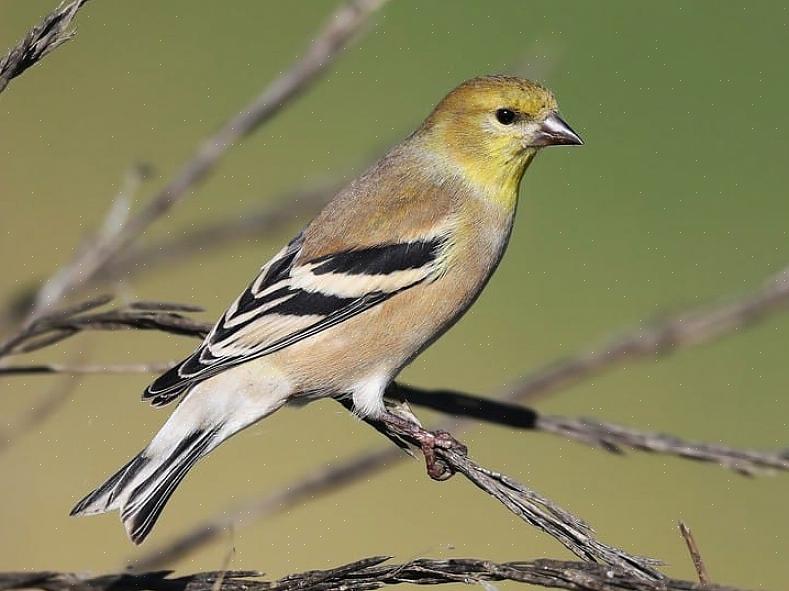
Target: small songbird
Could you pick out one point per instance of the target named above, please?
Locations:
(391, 263)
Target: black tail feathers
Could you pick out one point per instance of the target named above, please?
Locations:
(142, 487)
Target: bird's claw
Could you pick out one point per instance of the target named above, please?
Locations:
(437, 467)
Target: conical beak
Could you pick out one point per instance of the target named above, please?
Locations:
(554, 131)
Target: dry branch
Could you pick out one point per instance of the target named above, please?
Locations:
(48, 35)
(695, 555)
(58, 325)
(530, 506)
(364, 575)
(607, 436)
(53, 327)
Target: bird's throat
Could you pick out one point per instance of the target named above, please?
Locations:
(500, 182)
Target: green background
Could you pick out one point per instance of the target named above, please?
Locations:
(679, 197)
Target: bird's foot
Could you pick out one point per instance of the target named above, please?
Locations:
(429, 441)
(409, 428)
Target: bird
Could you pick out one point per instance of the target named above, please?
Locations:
(385, 269)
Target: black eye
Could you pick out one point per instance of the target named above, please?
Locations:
(505, 116)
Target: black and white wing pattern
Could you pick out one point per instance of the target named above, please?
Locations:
(290, 301)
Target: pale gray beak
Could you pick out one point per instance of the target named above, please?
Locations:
(554, 131)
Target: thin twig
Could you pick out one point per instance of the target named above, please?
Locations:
(49, 34)
(365, 575)
(616, 437)
(695, 555)
(604, 435)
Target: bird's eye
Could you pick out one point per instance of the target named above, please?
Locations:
(505, 116)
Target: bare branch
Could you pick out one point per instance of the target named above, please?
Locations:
(366, 575)
(49, 34)
(681, 330)
(615, 437)
(53, 327)
(607, 436)
(573, 533)
(695, 555)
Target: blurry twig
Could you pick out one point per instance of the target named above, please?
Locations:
(155, 367)
(700, 325)
(366, 575)
(249, 224)
(92, 254)
(695, 555)
(49, 34)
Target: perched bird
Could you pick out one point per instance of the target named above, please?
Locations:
(391, 263)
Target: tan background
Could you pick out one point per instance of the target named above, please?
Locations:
(679, 196)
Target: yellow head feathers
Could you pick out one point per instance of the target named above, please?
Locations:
(492, 126)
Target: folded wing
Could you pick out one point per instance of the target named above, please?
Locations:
(291, 300)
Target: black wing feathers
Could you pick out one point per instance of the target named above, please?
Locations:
(380, 260)
(281, 293)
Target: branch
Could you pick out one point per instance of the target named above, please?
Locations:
(365, 575)
(535, 509)
(53, 327)
(49, 34)
(607, 436)
(341, 27)
(695, 555)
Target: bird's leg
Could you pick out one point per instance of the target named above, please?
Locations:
(401, 426)
(428, 442)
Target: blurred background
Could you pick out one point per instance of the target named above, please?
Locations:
(678, 198)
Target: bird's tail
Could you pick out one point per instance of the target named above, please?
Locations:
(143, 486)
(210, 413)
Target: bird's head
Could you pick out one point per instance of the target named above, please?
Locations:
(492, 126)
